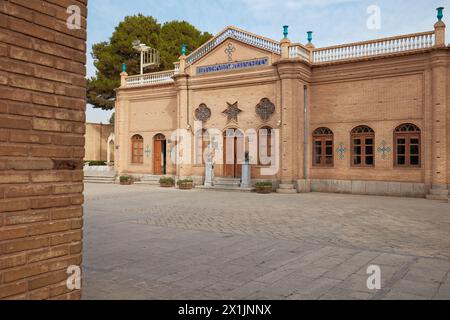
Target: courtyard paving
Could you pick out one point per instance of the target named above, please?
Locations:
(145, 242)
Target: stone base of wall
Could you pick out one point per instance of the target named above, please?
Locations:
(377, 188)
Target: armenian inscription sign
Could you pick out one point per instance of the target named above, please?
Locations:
(233, 66)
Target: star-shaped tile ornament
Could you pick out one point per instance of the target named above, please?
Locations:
(232, 111)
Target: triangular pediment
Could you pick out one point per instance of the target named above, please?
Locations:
(233, 44)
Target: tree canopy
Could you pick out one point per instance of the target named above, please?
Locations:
(109, 56)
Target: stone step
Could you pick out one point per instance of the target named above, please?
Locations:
(227, 179)
(100, 181)
(99, 175)
(153, 177)
(439, 192)
(225, 188)
(286, 186)
(438, 197)
(227, 182)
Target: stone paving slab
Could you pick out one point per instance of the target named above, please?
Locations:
(149, 243)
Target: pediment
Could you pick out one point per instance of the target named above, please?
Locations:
(231, 46)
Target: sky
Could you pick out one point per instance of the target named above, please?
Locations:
(332, 21)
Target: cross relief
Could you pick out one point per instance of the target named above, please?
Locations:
(384, 149)
(229, 51)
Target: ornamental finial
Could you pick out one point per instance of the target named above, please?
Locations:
(310, 37)
(124, 67)
(285, 31)
(183, 49)
(440, 14)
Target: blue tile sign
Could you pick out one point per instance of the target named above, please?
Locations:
(233, 66)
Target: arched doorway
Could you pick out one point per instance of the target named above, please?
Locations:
(233, 153)
(110, 156)
(159, 155)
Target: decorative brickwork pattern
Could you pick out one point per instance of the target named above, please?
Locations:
(42, 126)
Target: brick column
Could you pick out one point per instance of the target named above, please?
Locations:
(439, 78)
(42, 126)
(181, 80)
(289, 126)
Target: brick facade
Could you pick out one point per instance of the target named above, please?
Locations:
(381, 91)
(42, 126)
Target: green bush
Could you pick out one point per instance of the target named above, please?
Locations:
(96, 163)
(264, 184)
(125, 178)
(184, 181)
(167, 180)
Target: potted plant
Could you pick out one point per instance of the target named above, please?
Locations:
(126, 180)
(185, 184)
(166, 182)
(264, 187)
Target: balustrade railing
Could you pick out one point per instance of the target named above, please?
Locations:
(150, 79)
(299, 51)
(177, 67)
(406, 43)
(240, 35)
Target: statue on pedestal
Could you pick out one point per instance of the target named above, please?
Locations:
(246, 180)
(209, 168)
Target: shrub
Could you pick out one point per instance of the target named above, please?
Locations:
(184, 181)
(264, 184)
(167, 181)
(96, 163)
(125, 178)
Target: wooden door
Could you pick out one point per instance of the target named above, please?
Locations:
(233, 161)
(228, 166)
(157, 158)
(239, 156)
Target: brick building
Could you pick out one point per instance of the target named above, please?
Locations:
(99, 142)
(367, 118)
(42, 126)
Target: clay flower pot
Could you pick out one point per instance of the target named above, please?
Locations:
(166, 183)
(264, 189)
(126, 180)
(185, 184)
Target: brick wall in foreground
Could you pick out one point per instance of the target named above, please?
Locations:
(42, 125)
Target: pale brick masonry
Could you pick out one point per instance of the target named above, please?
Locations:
(42, 125)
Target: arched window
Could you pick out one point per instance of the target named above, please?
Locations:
(407, 146)
(363, 147)
(323, 147)
(137, 149)
(265, 135)
(202, 141)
